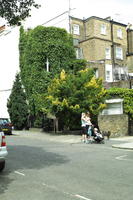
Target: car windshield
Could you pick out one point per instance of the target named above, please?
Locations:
(4, 121)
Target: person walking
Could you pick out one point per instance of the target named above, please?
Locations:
(84, 128)
(88, 126)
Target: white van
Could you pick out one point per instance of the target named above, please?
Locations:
(3, 150)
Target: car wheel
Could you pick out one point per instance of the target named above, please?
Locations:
(2, 165)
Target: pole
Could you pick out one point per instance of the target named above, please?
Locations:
(69, 17)
(47, 65)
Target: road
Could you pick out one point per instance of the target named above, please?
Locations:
(40, 169)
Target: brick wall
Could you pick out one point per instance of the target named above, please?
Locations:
(117, 124)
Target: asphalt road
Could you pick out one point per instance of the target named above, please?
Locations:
(40, 169)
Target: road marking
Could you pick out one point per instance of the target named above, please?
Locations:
(121, 157)
(81, 197)
(64, 192)
(19, 173)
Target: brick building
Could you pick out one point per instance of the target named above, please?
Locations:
(107, 45)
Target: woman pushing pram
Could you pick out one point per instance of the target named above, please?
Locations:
(89, 133)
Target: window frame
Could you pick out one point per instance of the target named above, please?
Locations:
(119, 33)
(76, 29)
(103, 29)
(119, 53)
(108, 73)
(107, 54)
(75, 41)
(79, 53)
(114, 107)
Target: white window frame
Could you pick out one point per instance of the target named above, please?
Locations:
(107, 53)
(119, 33)
(119, 53)
(79, 53)
(76, 29)
(96, 71)
(103, 29)
(108, 73)
(114, 107)
(75, 41)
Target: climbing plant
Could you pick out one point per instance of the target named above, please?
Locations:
(127, 95)
(37, 47)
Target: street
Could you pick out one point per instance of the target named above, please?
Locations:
(38, 168)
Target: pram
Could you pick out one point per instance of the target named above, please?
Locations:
(97, 136)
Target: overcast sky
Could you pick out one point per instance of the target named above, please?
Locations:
(120, 10)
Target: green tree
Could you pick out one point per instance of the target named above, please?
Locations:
(70, 94)
(17, 106)
(36, 46)
(14, 11)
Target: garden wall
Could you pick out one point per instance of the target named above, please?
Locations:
(117, 124)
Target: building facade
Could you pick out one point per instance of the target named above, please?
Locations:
(107, 46)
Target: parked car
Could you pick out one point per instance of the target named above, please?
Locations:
(3, 150)
(5, 125)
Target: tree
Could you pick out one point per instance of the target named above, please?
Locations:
(36, 46)
(17, 106)
(70, 94)
(14, 11)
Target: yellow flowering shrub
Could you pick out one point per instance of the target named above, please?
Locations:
(63, 75)
(92, 83)
(65, 102)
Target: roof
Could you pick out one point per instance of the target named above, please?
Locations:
(101, 19)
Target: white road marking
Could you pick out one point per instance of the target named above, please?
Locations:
(81, 197)
(19, 173)
(121, 157)
(67, 193)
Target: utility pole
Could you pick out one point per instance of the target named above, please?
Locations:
(69, 10)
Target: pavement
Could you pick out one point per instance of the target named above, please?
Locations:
(126, 141)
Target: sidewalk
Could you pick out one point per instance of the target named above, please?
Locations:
(37, 133)
(127, 141)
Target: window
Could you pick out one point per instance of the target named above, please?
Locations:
(96, 72)
(103, 29)
(79, 53)
(120, 73)
(76, 29)
(108, 73)
(119, 53)
(114, 107)
(75, 42)
(119, 33)
(107, 53)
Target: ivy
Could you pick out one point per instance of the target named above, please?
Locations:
(36, 46)
(127, 96)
